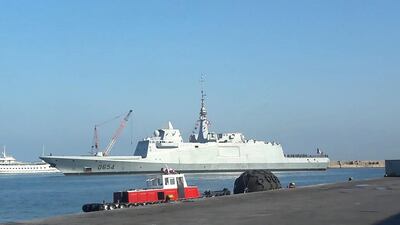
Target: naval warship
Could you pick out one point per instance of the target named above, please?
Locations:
(205, 152)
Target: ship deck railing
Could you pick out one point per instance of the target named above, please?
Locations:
(305, 156)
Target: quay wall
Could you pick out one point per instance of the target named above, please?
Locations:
(370, 202)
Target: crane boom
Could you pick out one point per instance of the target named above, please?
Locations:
(116, 134)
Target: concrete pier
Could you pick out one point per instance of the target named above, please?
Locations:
(356, 202)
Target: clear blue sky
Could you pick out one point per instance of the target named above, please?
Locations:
(306, 74)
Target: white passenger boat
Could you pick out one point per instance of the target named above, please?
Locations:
(9, 165)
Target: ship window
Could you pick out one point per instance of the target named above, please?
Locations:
(172, 181)
(196, 146)
(166, 181)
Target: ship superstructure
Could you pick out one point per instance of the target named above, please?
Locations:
(205, 152)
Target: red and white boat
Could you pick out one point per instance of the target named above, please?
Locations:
(170, 186)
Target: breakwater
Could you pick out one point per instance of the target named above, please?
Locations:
(357, 164)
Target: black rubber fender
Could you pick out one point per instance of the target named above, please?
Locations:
(256, 180)
(93, 207)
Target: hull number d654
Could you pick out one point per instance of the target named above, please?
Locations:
(106, 167)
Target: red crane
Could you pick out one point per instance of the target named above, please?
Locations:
(113, 140)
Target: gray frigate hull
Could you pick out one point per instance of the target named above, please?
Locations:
(86, 165)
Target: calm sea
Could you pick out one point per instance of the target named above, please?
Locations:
(24, 197)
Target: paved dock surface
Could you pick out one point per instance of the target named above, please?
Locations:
(357, 202)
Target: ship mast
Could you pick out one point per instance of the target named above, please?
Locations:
(203, 129)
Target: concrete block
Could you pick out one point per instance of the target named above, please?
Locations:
(392, 168)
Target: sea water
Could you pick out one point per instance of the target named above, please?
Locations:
(25, 197)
